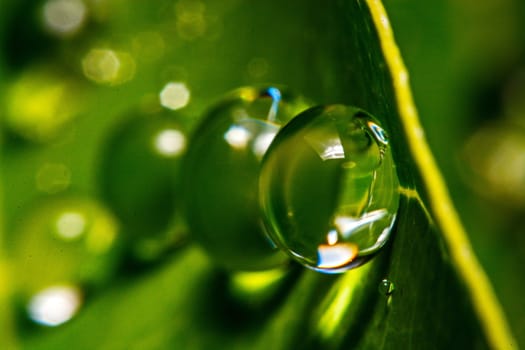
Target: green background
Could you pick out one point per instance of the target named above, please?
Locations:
(460, 56)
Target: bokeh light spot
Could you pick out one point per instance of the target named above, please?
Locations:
(64, 17)
(105, 66)
(55, 305)
(170, 142)
(70, 225)
(175, 96)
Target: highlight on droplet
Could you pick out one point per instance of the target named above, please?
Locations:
(170, 142)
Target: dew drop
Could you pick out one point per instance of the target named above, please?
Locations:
(221, 171)
(331, 167)
(386, 287)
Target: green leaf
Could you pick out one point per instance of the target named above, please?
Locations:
(341, 52)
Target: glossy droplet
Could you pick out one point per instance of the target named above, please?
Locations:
(139, 180)
(221, 171)
(61, 246)
(386, 287)
(329, 189)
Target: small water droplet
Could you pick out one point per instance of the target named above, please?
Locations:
(331, 166)
(221, 171)
(386, 287)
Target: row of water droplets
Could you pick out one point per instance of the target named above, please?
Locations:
(321, 180)
(263, 179)
(70, 245)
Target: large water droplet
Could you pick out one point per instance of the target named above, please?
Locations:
(329, 189)
(139, 180)
(221, 171)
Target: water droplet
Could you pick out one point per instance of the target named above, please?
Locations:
(386, 287)
(220, 176)
(139, 179)
(62, 245)
(332, 168)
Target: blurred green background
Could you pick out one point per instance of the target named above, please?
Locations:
(79, 78)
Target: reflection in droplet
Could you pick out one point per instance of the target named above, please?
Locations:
(386, 287)
(170, 142)
(41, 103)
(54, 305)
(175, 96)
(64, 17)
(106, 66)
(327, 149)
(53, 178)
(263, 141)
(237, 137)
(330, 255)
(379, 133)
(220, 176)
(331, 167)
(70, 225)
